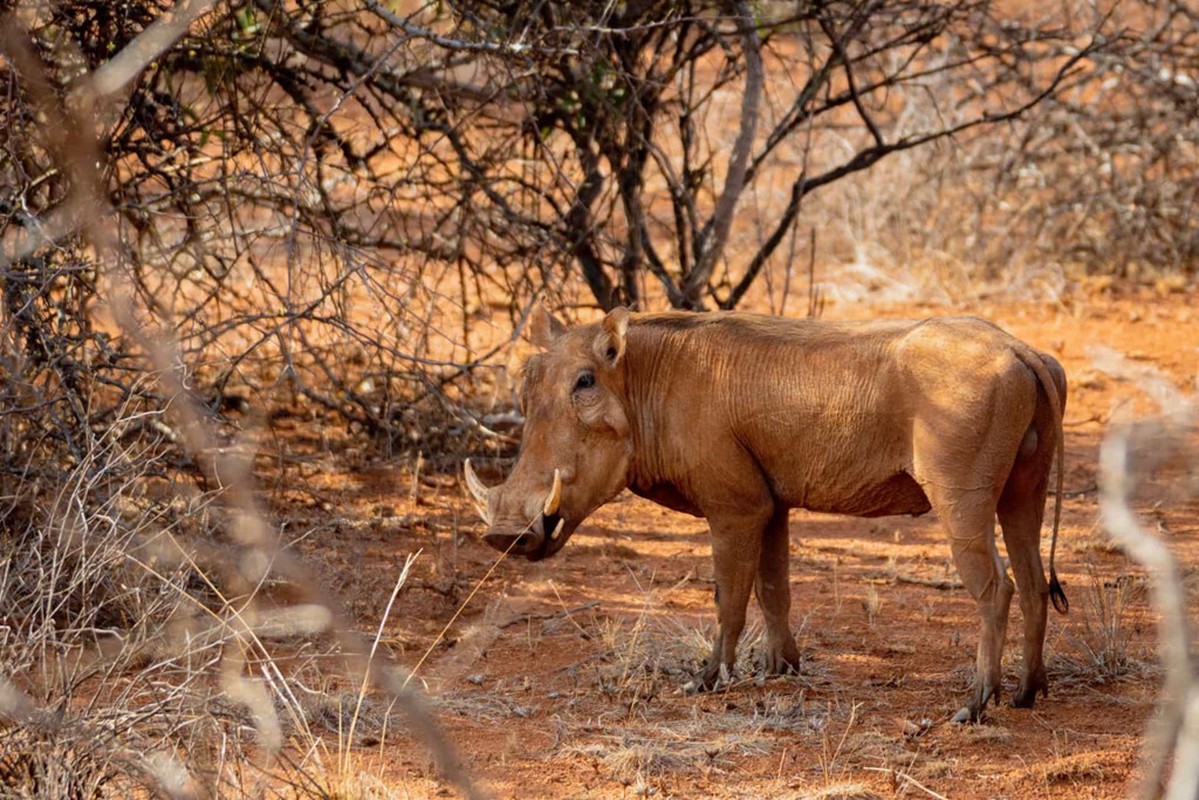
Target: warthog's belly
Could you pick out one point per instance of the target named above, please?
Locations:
(666, 495)
(899, 494)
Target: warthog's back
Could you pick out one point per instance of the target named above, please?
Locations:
(826, 409)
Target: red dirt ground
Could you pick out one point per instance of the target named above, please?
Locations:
(560, 679)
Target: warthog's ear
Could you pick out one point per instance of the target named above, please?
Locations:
(609, 345)
(544, 327)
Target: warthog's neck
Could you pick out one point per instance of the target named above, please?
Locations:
(671, 382)
(649, 365)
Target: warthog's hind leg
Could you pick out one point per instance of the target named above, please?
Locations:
(1021, 511)
(1020, 533)
(969, 519)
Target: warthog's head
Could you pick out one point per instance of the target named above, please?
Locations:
(574, 455)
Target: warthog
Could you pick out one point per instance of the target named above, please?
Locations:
(737, 418)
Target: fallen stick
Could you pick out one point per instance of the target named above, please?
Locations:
(531, 615)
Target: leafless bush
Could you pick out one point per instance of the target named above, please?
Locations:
(144, 606)
(274, 233)
(1100, 178)
(1109, 167)
(642, 129)
(86, 470)
(146, 631)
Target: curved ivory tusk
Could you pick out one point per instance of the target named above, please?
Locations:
(554, 497)
(557, 530)
(478, 491)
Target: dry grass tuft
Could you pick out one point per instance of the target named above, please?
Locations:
(347, 713)
(1080, 767)
(633, 754)
(43, 766)
(872, 749)
(1100, 636)
(656, 654)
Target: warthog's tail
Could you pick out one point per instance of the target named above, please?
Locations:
(1033, 359)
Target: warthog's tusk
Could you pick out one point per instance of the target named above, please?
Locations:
(555, 496)
(478, 491)
(557, 530)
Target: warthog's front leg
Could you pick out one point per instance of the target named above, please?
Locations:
(736, 544)
(773, 588)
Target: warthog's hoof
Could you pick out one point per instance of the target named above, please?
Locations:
(782, 660)
(709, 679)
(966, 714)
(1026, 695)
(984, 692)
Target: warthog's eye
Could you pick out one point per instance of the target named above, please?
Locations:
(585, 381)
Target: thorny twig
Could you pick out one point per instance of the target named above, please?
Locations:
(1129, 452)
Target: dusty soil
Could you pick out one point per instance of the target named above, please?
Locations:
(561, 679)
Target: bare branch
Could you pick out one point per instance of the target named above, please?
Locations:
(716, 233)
(118, 71)
(454, 45)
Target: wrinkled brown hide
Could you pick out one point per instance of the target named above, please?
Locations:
(738, 418)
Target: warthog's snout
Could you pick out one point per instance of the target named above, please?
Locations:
(510, 532)
(540, 539)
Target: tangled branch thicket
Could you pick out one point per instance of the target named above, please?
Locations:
(343, 211)
(328, 206)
